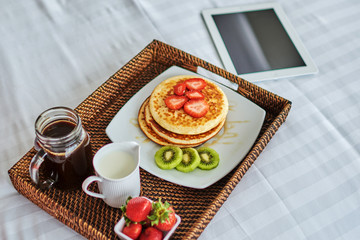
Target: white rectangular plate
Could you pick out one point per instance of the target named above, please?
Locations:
(233, 142)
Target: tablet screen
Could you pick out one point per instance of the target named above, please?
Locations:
(257, 41)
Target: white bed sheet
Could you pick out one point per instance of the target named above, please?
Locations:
(306, 183)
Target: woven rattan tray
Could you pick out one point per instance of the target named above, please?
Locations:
(94, 219)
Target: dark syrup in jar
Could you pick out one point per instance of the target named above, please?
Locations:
(58, 129)
(68, 170)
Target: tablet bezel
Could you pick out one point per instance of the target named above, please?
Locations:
(309, 68)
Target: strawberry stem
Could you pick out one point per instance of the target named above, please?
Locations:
(160, 212)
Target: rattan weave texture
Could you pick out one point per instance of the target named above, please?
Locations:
(94, 219)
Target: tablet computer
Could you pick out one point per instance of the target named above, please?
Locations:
(257, 42)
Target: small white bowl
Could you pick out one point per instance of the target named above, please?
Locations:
(120, 225)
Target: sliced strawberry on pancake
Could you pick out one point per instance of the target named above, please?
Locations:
(194, 94)
(196, 108)
(195, 84)
(175, 102)
(179, 89)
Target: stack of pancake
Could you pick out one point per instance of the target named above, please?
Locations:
(165, 126)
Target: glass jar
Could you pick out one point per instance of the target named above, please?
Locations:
(63, 147)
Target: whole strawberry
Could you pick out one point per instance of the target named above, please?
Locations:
(151, 233)
(136, 209)
(132, 230)
(162, 216)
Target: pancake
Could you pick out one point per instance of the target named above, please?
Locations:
(147, 130)
(176, 138)
(178, 121)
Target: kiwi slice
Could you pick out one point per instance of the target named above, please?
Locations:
(209, 158)
(168, 157)
(190, 160)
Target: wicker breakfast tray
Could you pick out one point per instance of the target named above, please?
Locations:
(90, 216)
